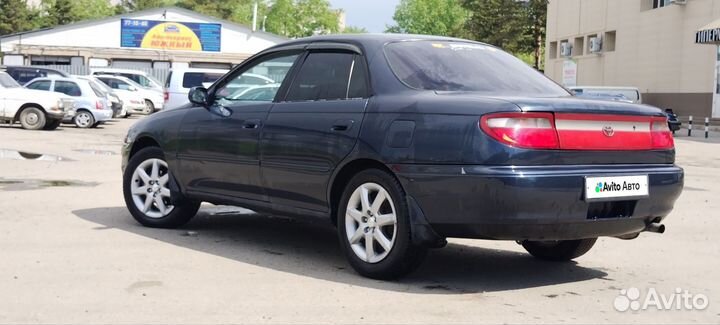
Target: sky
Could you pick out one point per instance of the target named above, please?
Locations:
(371, 14)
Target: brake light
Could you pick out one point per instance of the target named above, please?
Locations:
(524, 130)
(660, 133)
(166, 96)
(98, 105)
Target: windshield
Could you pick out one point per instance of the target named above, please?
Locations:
(465, 66)
(6, 81)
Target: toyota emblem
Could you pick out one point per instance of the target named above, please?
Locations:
(608, 131)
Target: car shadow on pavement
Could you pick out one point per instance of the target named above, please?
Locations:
(311, 249)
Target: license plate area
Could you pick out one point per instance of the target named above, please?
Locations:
(616, 188)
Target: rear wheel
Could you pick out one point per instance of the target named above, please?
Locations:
(32, 118)
(559, 250)
(52, 125)
(147, 193)
(374, 227)
(149, 107)
(84, 119)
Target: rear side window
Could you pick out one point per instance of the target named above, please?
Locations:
(199, 79)
(67, 88)
(25, 75)
(40, 85)
(97, 90)
(326, 76)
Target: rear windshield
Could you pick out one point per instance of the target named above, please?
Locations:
(7, 82)
(465, 66)
(199, 79)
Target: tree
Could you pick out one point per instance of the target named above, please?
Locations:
(354, 30)
(498, 22)
(14, 16)
(62, 12)
(135, 5)
(536, 15)
(301, 18)
(433, 17)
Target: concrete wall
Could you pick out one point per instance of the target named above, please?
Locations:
(655, 49)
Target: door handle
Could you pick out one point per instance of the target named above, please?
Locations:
(251, 124)
(342, 125)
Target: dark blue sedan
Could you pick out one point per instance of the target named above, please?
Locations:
(402, 141)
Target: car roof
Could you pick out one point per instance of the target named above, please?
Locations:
(370, 41)
(27, 67)
(117, 70)
(603, 87)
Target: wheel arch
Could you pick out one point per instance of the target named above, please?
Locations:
(343, 176)
(25, 106)
(144, 141)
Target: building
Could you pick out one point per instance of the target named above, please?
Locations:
(156, 38)
(654, 45)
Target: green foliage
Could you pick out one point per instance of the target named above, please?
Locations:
(135, 5)
(14, 17)
(62, 12)
(301, 18)
(354, 30)
(433, 17)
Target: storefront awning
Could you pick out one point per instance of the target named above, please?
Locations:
(709, 34)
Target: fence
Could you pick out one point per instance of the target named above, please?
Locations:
(158, 74)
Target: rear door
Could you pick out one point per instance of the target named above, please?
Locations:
(314, 128)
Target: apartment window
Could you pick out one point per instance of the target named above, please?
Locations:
(609, 41)
(579, 46)
(553, 50)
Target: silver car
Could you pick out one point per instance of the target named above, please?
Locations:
(92, 106)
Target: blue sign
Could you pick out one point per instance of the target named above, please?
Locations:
(170, 35)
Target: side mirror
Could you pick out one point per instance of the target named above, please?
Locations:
(198, 96)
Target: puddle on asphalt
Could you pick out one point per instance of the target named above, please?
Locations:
(96, 152)
(34, 184)
(11, 154)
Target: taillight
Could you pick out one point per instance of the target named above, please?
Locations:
(98, 105)
(661, 136)
(524, 130)
(166, 96)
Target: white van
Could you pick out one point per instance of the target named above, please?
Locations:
(179, 82)
(625, 94)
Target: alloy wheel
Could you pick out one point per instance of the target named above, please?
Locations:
(149, 188)
(83, 119)
(371, 222)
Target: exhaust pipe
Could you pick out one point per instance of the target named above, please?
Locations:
(655, 227)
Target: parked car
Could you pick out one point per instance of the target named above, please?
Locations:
(144, 80)
(673, 123)
(117, 105)
(23, 74)
(400, 154)
(34, 109)
(91, 104)
(120, 83)
(630, 94)
(179, 82)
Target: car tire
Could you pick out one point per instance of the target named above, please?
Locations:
(52, 125)
(32, 118)
(156, 211)
(84, 119)
(399, 255)
(149, 107)
(559, 251)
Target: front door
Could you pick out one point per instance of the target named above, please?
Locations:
(218, 150)
(309, 133)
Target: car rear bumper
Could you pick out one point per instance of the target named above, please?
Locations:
(534, 202)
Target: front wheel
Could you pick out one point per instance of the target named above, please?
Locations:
(32, 118)
(559, 250)
(84, 120)
(147, 192)
(374, 227)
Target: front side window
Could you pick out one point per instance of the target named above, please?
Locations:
(40, 85)
(259, 83)
(466, 66)
(326, 76)
(68, 88)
